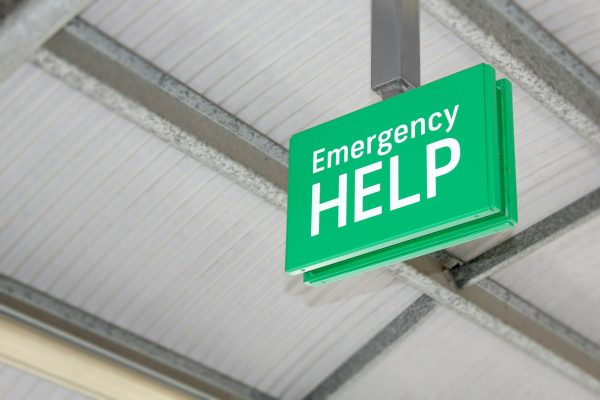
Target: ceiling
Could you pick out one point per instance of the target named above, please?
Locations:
(104, 215)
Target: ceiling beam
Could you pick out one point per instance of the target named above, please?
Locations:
(399, 327)
(520, 48)
(28, 24)
(528, 241)
(134, 88)
(94, 63)
(51, 338)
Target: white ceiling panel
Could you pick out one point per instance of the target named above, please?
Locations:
(576, 23)
(286, 66)
(16, 384)
(449, 357)
(99, 213)
(562, 279)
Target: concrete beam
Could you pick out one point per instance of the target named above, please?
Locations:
(53, 339)
(528, 241)
(27, 24)
(520, 48)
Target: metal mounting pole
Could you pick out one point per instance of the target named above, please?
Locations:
(395, 46)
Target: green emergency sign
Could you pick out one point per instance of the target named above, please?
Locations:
(416, 173)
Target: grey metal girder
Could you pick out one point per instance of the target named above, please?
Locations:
(519, 47)
(27, 24)
(79, 328)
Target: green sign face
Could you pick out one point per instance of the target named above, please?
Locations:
(428, 169)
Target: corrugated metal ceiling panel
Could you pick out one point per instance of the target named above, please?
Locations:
(574, 23)
(99, 213)
(16, 384)
(464, 362)
(562, 279)
(286, 66)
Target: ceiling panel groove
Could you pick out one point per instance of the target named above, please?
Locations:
(182, 61)
(154, 257)
(269, 96)
(339, 20)
(89, 197)
(183, 282)
(119, 312)
(73, 236)
(161, 15)
(212, 273)
(288, 70)
(117, 186)
(28, 209)
(258, 56)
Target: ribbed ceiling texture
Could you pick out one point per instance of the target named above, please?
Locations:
(101, 214)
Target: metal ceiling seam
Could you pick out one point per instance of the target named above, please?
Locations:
(123, 212)
(299, 81)
(286, 78)
(166, 307)
(520, 48)
(165, 17)
(141, 12)
(149, 256)
(399, 327)
(59, 319)
(179, 341)
(82, 223)
(28, 25)
(12, 245)
(296, 31)
(70, 265)
(118, 312)
(222, 24)
(181, 311)
(299, 42)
